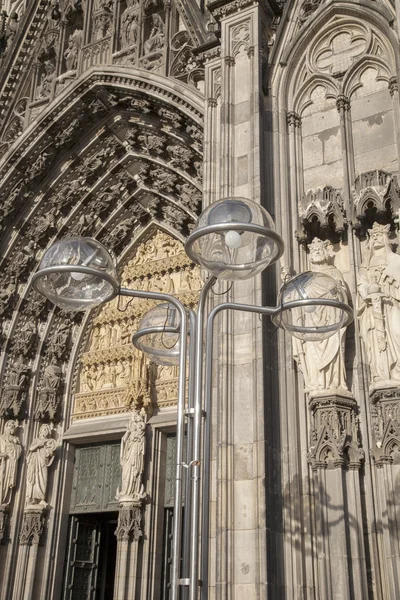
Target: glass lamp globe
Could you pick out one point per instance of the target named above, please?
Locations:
(234, 238)
(312, 322)
(161, 346)
(77, 274)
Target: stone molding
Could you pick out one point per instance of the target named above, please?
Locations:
(325, 206)
(379, 188)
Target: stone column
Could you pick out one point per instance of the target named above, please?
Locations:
(128, 535)
(385, 415)
(335, 457)
(233, 89)
(394, 92)
(31, 530)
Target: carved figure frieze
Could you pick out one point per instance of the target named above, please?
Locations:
(15, 388)
(113, 375)
(10, 451)
(40, 457)
(132, 461)
(323, 362)
(379, 308)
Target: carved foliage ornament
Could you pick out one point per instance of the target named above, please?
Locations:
(129, 523)
(32, 527)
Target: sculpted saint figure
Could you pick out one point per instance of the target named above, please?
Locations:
(155, 41)
(52, 375)
(39, 458)
(379, 306)
(132, 461)
(322, 362)
(10, 451)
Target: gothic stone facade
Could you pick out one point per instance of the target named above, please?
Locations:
(121, 119)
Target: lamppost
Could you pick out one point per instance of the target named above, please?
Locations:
(234, 239)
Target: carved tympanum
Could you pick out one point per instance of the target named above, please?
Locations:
(114, 377)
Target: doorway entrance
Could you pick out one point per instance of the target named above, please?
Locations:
(91, 557)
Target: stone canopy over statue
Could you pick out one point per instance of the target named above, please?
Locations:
(323, 362)
(379, 308)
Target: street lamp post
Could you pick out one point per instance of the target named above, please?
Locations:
(233, 240)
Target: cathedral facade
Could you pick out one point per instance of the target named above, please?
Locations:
(121, 120)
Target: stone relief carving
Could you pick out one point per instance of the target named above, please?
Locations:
(379, 308)
(113, 375)
(132, 461)
(10, 451)
(40, 457)
(27, 334)
(322, 363)
(129, 523)
(32, 527)
(15, 388)
(153, 47)
(334, 435)
(385, 414)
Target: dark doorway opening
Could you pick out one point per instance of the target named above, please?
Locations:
(91, 557)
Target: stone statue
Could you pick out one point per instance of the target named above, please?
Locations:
(17, 373)
(129, 29)
(7, 295)
(132, 461)
(39, 458)
(52, 375)
(155, 42)
(379, 307)
(71, 53)
(322, 362)
(26, 337)
(10, 451)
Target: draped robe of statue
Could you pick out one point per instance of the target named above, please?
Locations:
(39, 458)
(10, 451)
(379, 307)
(132, 461)
(322, 362)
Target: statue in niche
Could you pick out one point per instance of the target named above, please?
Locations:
(323, 362)
(132, 461)
(71, 53)
(59, 341)
(122, 374)
(24, 257)
(17, 373)
(129, 28)
(379, 307)
(46, 80)
(155, 41)
(10, 451)
(39, 458)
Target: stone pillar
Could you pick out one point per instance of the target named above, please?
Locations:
(128, 535)
(385, 415)
(335, 457)
(31, 530)
(233, 89)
